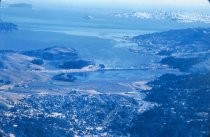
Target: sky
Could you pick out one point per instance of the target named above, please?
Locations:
(118, 3)
(130, 2)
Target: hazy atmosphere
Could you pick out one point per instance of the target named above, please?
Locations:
(105, 68)
(118, 3)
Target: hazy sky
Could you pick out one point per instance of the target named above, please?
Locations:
(118, 3)
(132, 2)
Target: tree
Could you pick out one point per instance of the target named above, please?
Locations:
(1, 134)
